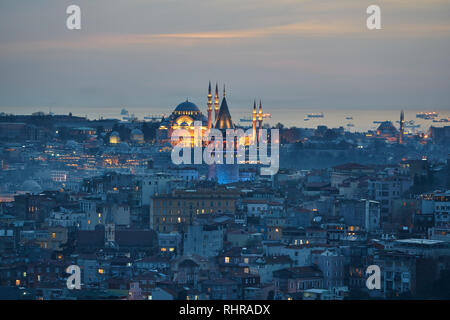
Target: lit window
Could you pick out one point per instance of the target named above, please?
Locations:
(227, 259)
(17, 282)
(101, 271)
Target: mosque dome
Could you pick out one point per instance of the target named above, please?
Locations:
(124, 146)
(31, 186)
(136, 132)
(114, 138)
(187, 106)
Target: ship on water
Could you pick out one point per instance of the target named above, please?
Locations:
(264, 115)
(315, 115)
(427, 115)
(442, 120)
(155, 117)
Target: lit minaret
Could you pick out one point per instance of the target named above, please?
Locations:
(402, 127)
(260, 115)
(216, 103)
(209, 106)
(254, 121)
(260, 118)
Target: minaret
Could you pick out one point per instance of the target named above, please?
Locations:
(209, 106)
(402, 127)
(260, 115)
(216, 103)
(254, 121)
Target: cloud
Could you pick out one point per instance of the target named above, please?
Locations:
(301, 29)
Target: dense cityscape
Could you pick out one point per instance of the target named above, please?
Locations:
(105, 195)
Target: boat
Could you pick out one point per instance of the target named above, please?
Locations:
(249, 119)
(156, 117)
(348, 118)
(130, 118)
(124, 112)
(442, 120)
(306, 119)
(427, 115)
(315, 115)
(350, 125)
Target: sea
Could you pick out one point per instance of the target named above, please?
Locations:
(353, 120)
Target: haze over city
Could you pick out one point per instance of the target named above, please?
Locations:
(238, 152)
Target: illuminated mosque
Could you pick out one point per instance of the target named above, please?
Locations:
(186, 113)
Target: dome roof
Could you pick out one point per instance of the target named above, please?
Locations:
(136, 132)
(187, 106)
(124, 146)
(31, 186)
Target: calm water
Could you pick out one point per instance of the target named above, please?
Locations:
(362, 120)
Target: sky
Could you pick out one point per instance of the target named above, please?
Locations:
(292, 54)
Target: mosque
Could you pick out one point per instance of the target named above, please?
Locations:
(186, 113)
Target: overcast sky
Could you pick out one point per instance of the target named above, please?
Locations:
(290, 53)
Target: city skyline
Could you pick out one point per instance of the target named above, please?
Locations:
(240, 153)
